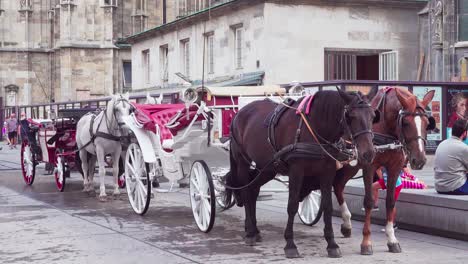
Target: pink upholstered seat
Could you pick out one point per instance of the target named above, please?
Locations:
(150, 115)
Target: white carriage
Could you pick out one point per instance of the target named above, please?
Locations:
(171, 140)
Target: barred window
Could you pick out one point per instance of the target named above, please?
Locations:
(238, 47)
(146, 65)
(210, 53)
(463, 20)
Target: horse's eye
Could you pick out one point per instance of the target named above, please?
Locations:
(405, 124)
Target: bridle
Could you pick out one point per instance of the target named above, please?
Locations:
(348, 108)
(401, 137)
(343, 122)
(125, 102)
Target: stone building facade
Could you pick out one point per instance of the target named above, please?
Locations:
(444, 40)
(61, 50)
(284, 41)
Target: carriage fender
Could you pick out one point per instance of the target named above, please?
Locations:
(144, 139)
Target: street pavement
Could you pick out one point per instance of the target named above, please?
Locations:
(40, 225)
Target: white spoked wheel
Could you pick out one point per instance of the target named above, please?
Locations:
(137, 179)
(310, 210)
(202, 196)
(28, 163)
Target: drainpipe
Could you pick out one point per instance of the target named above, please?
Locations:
(164, 6)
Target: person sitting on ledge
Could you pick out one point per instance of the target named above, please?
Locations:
(451, 162)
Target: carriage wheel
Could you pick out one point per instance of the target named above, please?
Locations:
(310, 210)
(223, 199)
(121, 179)
(202, 196)
(61, 169)
(28, 163)
(137, 179)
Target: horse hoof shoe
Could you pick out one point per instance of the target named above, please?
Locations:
(291, 253)
(366, 250)
(250, 241)
(394, 247)
(334, 253)
(345, 231)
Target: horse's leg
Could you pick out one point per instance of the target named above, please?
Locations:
(366, 244)
(325, 187)
(101, 158)
(91, 167)
(84, 166)
(339, 184)
(295, 185)
(392, 241)
(249, 200)
(115, 170)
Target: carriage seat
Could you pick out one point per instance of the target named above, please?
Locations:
(171, 118)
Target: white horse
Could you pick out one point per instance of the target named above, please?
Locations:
(99, 135)
(152, 100)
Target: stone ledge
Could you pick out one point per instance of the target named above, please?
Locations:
(422, 211)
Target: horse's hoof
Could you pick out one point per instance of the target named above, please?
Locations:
(394, 247)
(334, 252)
(366, 250)
(103, 198)
(291, 253)
(250, 241)
(155, 184)
(345, 231)
(258, 238)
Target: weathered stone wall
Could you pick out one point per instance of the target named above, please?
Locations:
(252, 20)
(296, 51)
(71, 47)
(30, 72)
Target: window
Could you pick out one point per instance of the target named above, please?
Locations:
(185, 50)
(140, 6)
(359, 64)
(210, 53)
(127, 73)
(340, 66)
(110, 2)
(463, 20)
(238, 47)
(146, 65)
(388, 66)
(163, 55)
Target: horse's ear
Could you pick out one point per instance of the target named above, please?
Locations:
(428, 98)
(345, 96)
(405, 101)
(372, 93)
(127, 95)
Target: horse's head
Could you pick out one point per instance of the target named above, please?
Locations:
(359, 118)
(120, 107)
(411, 125)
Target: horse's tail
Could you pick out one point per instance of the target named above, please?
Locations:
(231, 177)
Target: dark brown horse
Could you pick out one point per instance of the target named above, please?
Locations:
(404, 122)
(267, 138)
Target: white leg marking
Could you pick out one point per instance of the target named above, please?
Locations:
(390, 233)
(346, 215)
(418, 122)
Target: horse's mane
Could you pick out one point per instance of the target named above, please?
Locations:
(327, 112)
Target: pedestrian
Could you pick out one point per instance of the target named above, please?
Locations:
(451, 162)
(12, 129)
